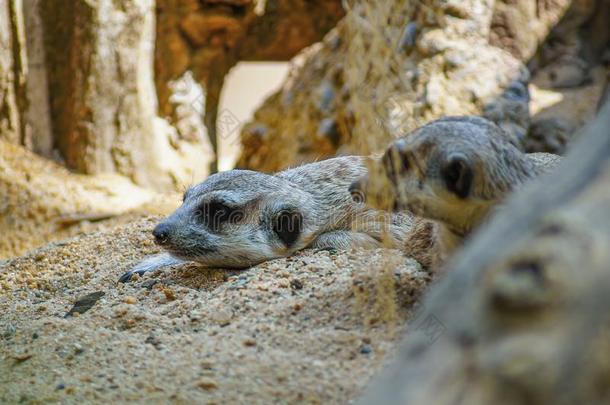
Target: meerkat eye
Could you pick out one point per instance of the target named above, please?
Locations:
(404, 161)
(236, 215)
(358, 189)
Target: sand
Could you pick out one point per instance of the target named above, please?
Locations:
(311, 328)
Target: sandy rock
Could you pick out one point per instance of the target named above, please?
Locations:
(443, 65)
(199, 28)
(559, 114)
(207, 38)
(42, 201)
(510, 16)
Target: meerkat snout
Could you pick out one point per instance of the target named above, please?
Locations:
(161, 233)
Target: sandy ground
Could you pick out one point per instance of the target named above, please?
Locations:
(312, 328)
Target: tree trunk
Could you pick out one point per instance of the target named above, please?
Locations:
(11, 72)
(39, 129)
(76, 84)
(24, 101)
(104, 105)
(522, 314)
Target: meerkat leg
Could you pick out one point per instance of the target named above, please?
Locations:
(345, 240)
(150, 264)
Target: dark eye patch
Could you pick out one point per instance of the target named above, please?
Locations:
(214, 214)
(217, 213)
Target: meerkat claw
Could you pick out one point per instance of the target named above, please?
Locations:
(150, 264)
(126, 277)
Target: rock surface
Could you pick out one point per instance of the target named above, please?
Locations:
(389, 68)
(340, 98)
(209, 37)
(539, 17)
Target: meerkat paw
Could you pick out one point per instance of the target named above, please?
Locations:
(150, 264)
(345, 240)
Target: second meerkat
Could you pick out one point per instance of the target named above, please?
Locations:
(452, 171)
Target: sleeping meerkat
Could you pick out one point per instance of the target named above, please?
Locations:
(452, 171)
(240, 218)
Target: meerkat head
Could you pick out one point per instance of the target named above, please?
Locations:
(453, 170)
(237, 219)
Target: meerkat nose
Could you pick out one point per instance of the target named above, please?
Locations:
(400, 144)
(161, 233)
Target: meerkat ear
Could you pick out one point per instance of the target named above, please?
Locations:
(358, 189)
(457, 175)
(288, 225)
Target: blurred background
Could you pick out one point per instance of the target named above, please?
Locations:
(246, 87)
(109, 109)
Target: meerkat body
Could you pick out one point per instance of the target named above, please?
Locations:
(452, 171)
(240, 218)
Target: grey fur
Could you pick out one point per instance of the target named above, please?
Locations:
(414, 168)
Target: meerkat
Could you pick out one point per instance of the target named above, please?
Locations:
(239, 218)
(453, 172)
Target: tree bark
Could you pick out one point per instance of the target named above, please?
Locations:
(100, 74)
(39, 128)
(11, 72)
(24, 105)
(522, 313)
